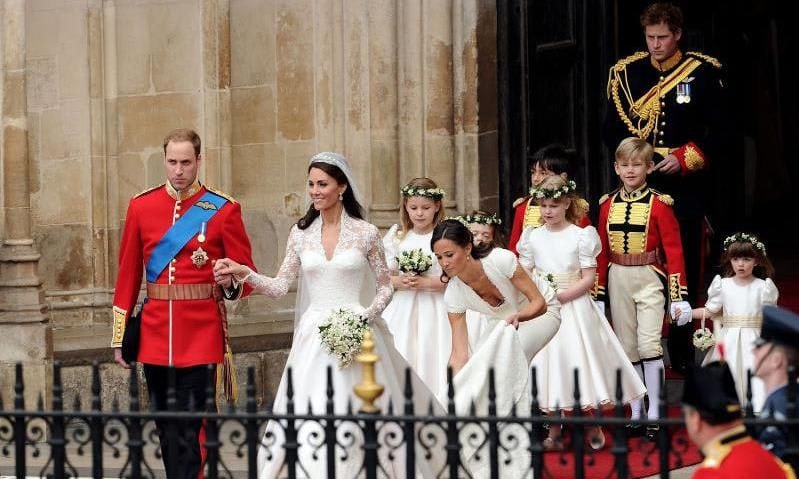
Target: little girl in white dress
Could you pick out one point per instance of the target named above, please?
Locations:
(735, 301)
(416, 315)
(566, 254)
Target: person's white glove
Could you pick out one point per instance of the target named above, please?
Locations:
(681, 312)
(600, 305)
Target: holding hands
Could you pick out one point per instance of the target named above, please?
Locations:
(681, 312)
(226, 271)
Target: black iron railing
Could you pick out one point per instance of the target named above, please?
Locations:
(64, 442)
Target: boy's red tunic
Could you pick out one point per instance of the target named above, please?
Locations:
(643, 227)
(196, 324)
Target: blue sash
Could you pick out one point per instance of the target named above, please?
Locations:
(184, 229)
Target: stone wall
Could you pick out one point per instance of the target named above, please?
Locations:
(402, 88)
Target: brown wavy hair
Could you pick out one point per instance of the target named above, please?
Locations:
(743, 249)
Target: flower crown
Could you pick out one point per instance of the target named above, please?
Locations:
(480, 219)
(550, 193)
(432, 193)
(744, 238)
(458, 218)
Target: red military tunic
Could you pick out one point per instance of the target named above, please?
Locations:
(526, 214)
(643, 226)
(180, 332)
(736, 455)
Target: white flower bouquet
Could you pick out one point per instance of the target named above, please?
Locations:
(414, 261)
(342, 335)
(703, 339)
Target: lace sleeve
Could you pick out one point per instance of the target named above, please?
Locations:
(279, 285)
(377, 261)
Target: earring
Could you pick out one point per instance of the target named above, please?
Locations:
(341, 196)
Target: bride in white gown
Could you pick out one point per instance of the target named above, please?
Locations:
(334, 250)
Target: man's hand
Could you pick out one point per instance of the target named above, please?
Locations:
(513, 320)
(118, 358)
(669, 166)
(681, 312)
(226, 269)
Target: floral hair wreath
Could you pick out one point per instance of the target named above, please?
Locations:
(481, 219)
(550, 193)
(460, 218)
(433, 193)
(744, 238)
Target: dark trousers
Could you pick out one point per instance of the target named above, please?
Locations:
(680, 340)
(180, 439)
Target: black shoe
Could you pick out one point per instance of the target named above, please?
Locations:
(634, 430)
(652, 432)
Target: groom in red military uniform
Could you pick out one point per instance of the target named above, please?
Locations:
(173, 233)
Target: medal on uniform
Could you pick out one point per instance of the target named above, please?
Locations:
(680, 94)
(687, 94)
(201, 236)
(199, 257)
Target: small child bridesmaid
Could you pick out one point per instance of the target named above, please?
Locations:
(417, 315)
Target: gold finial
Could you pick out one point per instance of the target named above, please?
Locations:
(368, 390)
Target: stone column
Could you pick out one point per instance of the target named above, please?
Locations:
(216, 132)
(25, 334)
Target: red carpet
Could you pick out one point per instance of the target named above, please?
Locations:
(642, 459)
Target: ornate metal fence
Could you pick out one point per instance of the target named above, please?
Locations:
(69, 442)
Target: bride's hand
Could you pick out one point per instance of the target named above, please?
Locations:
(226, 269)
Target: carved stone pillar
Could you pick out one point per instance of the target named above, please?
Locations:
(25, 334)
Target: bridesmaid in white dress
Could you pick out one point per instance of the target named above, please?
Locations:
(735, 303)
(523, 318)
(416, 315)
(566, 254)
(485, 234)
(335, 251)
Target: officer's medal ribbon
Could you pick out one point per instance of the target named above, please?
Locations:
(684, 93)
(199, 257)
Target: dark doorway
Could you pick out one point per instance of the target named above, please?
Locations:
(551, 76)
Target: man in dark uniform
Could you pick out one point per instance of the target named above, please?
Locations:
(173, 233)
(673, 100)
(714, 423)
(776, 351)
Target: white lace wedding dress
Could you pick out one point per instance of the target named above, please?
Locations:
(335, 283)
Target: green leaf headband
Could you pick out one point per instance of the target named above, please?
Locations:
(432, 193)
(553, 194)
(744, 238)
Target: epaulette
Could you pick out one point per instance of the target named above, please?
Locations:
(715, 455)
(712, 60)
(622, 64)
(604, 198)
(583, 204)
(520, 201)
(148, 190)
(663, 197)
(219, 193)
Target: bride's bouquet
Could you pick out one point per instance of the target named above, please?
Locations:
(342, 335)
(414, 261)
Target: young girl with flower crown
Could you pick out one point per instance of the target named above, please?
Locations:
(547, 161)
(417, 315)
(566, 255)
(735, 301)
(486, 234)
